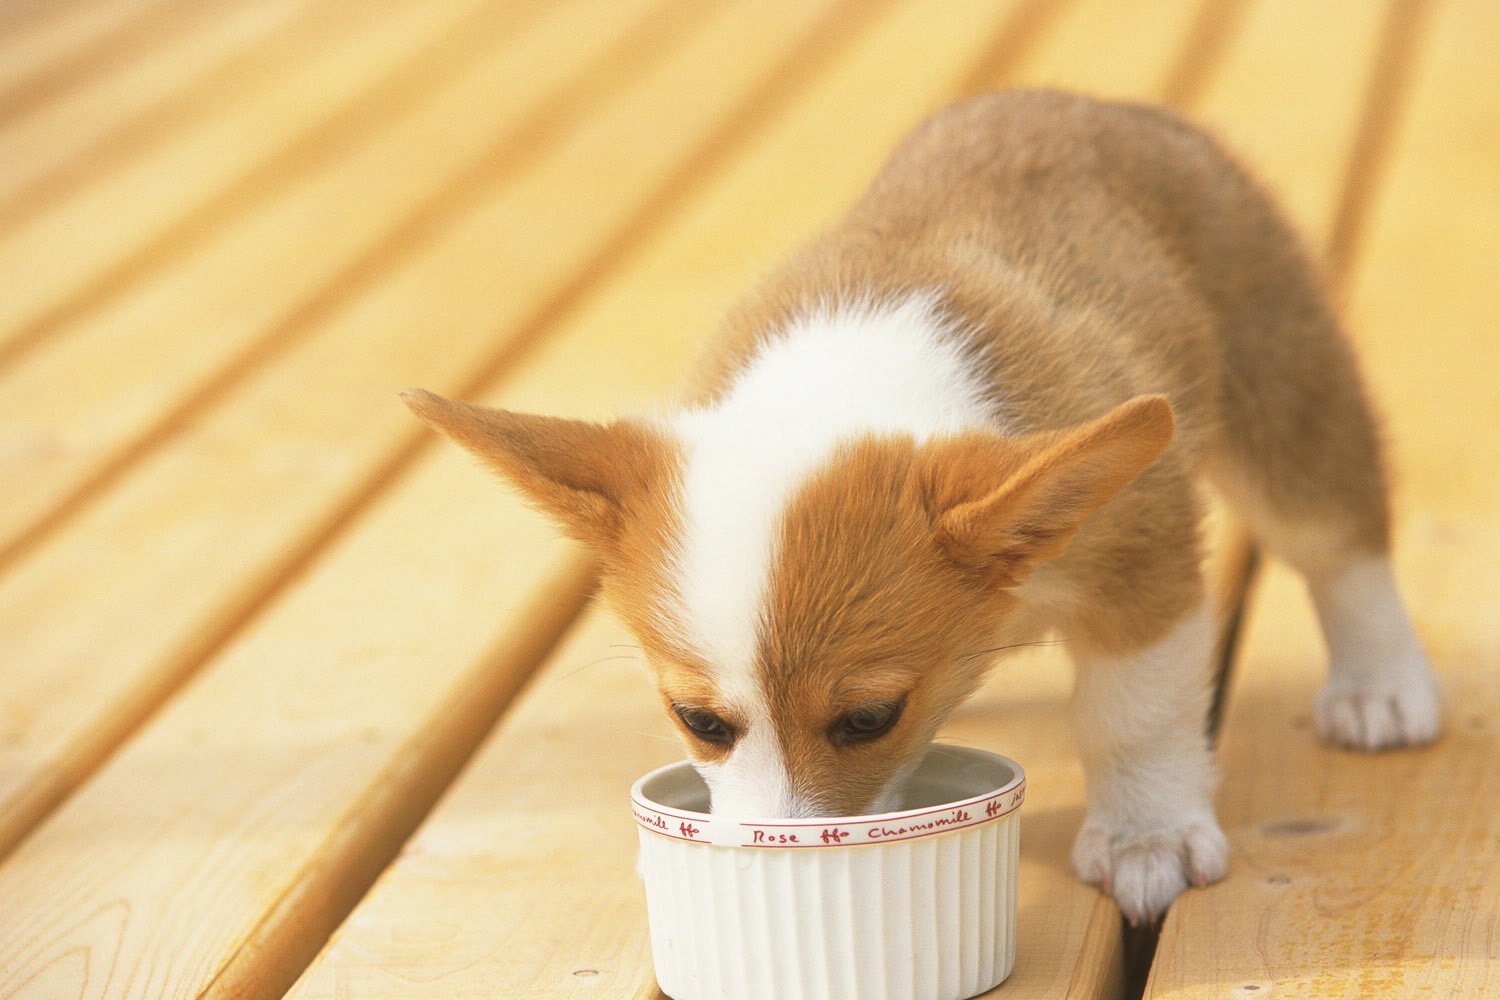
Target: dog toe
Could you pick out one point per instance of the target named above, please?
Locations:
(1145, 873)
(1379, 717)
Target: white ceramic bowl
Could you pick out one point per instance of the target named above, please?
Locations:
(919, 903)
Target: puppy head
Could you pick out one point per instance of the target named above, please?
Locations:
(810, 633)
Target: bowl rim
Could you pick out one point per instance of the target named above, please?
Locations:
(827, 832)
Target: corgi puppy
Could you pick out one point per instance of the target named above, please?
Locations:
(973, 413)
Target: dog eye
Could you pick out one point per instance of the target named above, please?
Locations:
(705, 725)
(866, 722)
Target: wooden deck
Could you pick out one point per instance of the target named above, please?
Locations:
(293, 701)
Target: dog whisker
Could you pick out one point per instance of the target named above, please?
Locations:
(1014, 645)
(601, 660)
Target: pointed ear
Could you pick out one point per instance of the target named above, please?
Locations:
(583, 475)
(1046, 487)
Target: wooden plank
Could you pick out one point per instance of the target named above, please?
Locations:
(78, 133)
(21, 16)
(1288, 100)
(230, 834)
(95, 399)
(268, 474)
(106, 234)
(1111, 50)
(481, 900)
(48, 51)
(1361, 875)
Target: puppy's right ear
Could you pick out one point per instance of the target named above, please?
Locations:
(585, 476)
(1007, 516)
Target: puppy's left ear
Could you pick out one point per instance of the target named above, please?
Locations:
(587, 477)
(1051, 484)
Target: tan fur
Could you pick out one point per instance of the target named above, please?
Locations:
(1105, 251)
(584, 475)
(1013, 524)
(897, 573)
(1127, 286)
(866, 595)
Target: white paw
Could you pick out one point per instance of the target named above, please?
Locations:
(1144, 873)
(1380, 691)
(1366, 713)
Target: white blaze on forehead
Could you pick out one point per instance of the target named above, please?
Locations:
(753, 780)
(835, 375)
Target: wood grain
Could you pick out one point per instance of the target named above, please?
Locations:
(105, 236)
(66, 138)
(253, 621)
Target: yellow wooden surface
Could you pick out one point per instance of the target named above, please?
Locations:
(253, 622)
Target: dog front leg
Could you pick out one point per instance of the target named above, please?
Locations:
(1150, 830)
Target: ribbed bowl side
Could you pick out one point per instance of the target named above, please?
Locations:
(667, 912)
(929, 918)
(1006, 910)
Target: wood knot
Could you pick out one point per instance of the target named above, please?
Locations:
(1306, 827)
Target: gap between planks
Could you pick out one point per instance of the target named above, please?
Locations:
(1407, 25)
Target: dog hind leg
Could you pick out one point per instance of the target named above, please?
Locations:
(1304, 468)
